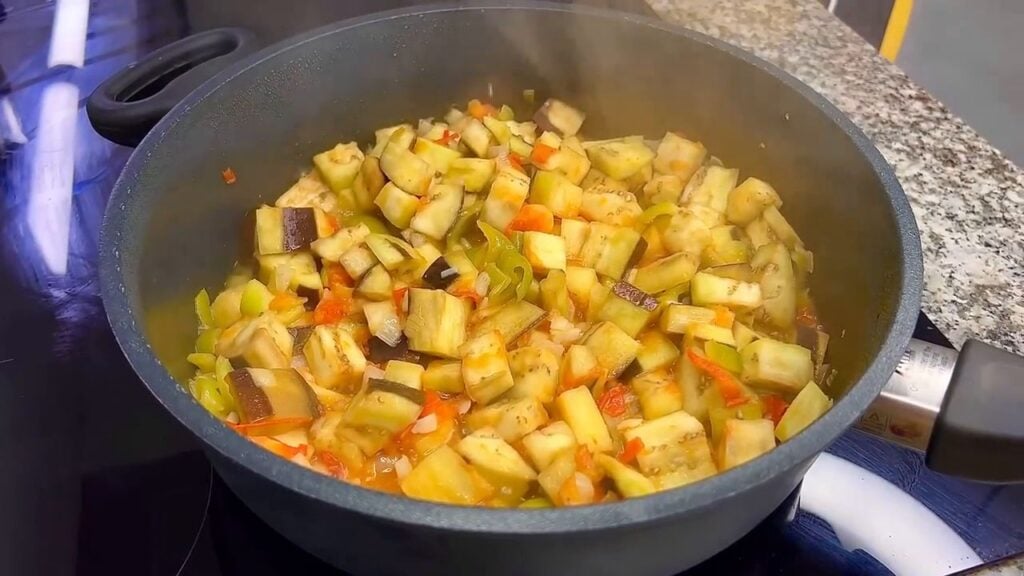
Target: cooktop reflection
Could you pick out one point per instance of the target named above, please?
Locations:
(97, 479)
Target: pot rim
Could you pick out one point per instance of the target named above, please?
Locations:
(400, 509)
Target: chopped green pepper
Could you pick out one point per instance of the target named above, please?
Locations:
(536, 503)
(203, 309)
(654, 212)
(725, 356)
(464, 224)
(204, 361)
(207, 340)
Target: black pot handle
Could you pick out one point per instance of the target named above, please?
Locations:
(127, 105)
(979, 431)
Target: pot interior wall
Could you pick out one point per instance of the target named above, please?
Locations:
(267, 123)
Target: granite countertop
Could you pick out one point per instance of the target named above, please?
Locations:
(967, 197)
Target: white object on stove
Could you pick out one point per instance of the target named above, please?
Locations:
(868, 513)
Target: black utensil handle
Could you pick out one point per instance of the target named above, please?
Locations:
(127, 105)
(979, 433)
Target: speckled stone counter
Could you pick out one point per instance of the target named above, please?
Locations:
(968, 198)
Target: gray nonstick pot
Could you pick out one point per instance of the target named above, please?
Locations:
(210, 102)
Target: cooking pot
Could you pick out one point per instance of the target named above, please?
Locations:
(208, 103)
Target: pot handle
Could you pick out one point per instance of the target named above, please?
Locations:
(126, 106)
(979, 432)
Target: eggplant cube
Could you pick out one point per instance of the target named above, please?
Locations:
(309, 191)
(613, 348)
(620, 159)
(442, 208)
(383, 322)
(579, 367)
(678, 156)
(608, 249)
(280, 399)
(284, 229)
(473, 173)
(776, 365)
(396, 205)
(405, 373)
(444, 376)
(436, 323)
(334, 358)
(494, 457)
(508, 193)
(575, 233)
(601, 203)
(544, 251)
(557, 116)
(707, 289)
(628, 307)
(745, 440)
(548, 443)
(557, 192)
(385, 405)
(485, 370)
(511, 320)
(580, 411)
(339, 166)
(673, 442)
(659, 394)
(439, 157)
(809, 405)
(445, 477)
(333, 247)
(628, 481)
(511, 418)
(406, 170)
(748, 200)
(535, 373)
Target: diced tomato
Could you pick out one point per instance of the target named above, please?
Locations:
(516, 161)
(723, 317)
(775, 406)
(332, 220)
(332, 308)
(630, 450)
(398, 296)
(478, 109)
(727, 384)
(541, 153)
(229, 176)
(614, 402)
(284, 301)
(434, 404)
(336, 277)
(533, 217)
(334, 466)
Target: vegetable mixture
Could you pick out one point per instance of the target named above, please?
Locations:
(484, 311)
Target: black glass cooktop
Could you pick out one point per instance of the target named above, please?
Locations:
(96, 479)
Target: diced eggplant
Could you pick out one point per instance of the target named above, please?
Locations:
(512, 418)
(744, 440)
(695, 389)
(665, 273)
(610, 206)
(436, 217)
(393, 253)
(748, 200)
(339, 166)
(620, 159)
(580, 281)
(711, 332)
(678, 156)
(554, 294)
(494, 457)
(778, 284)
(334, 358)
(406, 373)
(473, 173)
(608, 249)
(255, 299)
(544, 251)
(383, 321)
(628, 481)
(226, 307)
(708, 290)
(672, 443)
(596, 177)
(724, 355)
(543, 446)
(511, 320)
(686, 233)
(368, 183)
(300, 335)
(474, 135)
(436, 323)
(284, 229)
(300, 268)
(396, 205)
(579, 410)
(613, 348)
(781, 227)
(809, 405)
(438, 156)
(579, 368)
(659, 394)
(677, 318)
(444, 376)
(535, 373)
(272, 401)
(575, 234)
(358, 261)
(656, 352)
(443, 476)
(663, 188)
(775, 365)
(557, 116)
(508, 193)
(743, 334)
(333, 247)
(381, 352)
(376, 284)
(385, 405)
(325, 436)
(557, 193)
(406, 170)
(369, 440)
(759, 233)
(628, 307)
(552, 478)
(572, 162)
(309, 192)
(485, 370)
(440, 274)
(404, 137)
(727, 246)
(499, 129)
(715, 187)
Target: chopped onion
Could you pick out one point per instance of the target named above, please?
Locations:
(541, 340)
(564, 331)
(482, 283)
(425, 425)
(424, 126)
(390, 332)
(499, 152)
(382, 464)
(464, 405)
(402, 467)
(585, 487)
(232, 417)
